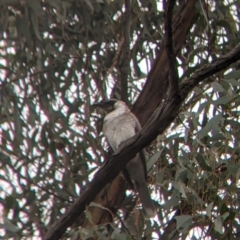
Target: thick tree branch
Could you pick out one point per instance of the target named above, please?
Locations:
(124, 61)
(173, 72)
(156, 84)
(162, 118)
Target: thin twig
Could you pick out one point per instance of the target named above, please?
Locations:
(32, 74)
(208, 70)
(125, 227)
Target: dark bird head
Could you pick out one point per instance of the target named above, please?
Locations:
(106, 105)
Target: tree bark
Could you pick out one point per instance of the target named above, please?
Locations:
(157, 80)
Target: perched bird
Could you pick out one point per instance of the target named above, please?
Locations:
(119, 125)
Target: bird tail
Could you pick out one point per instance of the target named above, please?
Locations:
(149, 209)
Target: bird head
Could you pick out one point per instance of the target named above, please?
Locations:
(106, 105)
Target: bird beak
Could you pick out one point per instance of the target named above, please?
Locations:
(101, 105)
(105, 105)
(97, 104)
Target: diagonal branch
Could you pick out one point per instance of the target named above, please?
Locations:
(172, 72)
(162, 118)
(208, 70)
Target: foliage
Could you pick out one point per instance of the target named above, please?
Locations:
(57, 58)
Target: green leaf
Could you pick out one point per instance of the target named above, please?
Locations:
(173, 202)
(9, 202)
(217, 87)
(224, 100)
(218, 136)
(232, 81)
(238, 174)
(218, 224)
(31, 196)
(118, 235)
(201, 161)
(181, 189)
(17, 125)
(187, 131)
(23, 29)
(35, 23)
(225, 24)
(75, 235)
(209, 209)
(153, 160)
(233, 74)
(56, 4)
(225, 215)
(160, 176)
(213, 123)
(7, 225)
(89, 4)
(233, 168)
(35, 6)
(51, 48)
(183, 222)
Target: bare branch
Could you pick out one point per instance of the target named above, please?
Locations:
(173, 73)
(156, 84)
(208, 70)
(124, 60)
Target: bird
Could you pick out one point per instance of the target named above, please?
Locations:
(119, 125)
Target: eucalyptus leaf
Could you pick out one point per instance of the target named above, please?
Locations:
(209, 209)
(183, 222)
(217, 87)
(213, 123)
(200, 159)
(233, 74)
(153, 160)
(7, 225)
(218, 224)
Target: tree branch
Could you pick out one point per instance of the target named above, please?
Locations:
(172, 72)
(156, 84)
(124, 60)
(162, 118)
(208, 70)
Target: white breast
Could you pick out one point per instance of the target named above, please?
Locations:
(118, 127)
